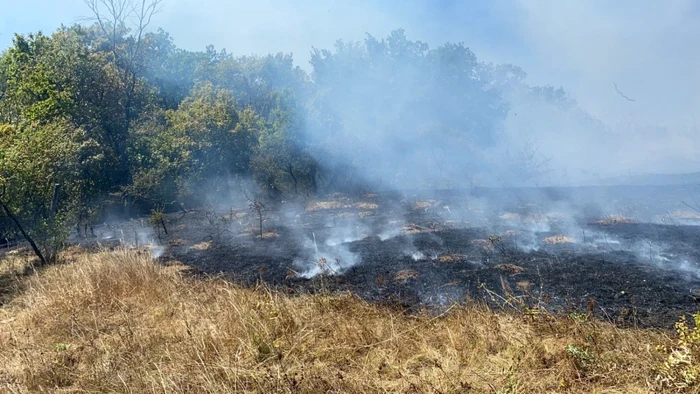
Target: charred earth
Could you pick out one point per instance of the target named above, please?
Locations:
(627, 254)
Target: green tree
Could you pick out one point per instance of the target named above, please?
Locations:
(33, 158)
(206, 139)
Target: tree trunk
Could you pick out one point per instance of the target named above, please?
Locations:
(24, 233)
(54, 200)
(294, 178)
(162, 223)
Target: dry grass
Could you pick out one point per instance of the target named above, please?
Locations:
(326, 205)
(202, 245)
(615, 219)
(117, 322)
(451, 258)
(270, 235)
(423, 204)
(685, 214)
(510, 234)
(177, 242)
(412, 228)
(509, 216)
(483, 244)
(558, 239)
(512, 268)
(406, 274)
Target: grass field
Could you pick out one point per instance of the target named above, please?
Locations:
(118, 322)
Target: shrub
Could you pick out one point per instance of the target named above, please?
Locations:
(681, 369)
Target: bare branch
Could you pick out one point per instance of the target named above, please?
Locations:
(144, 14)
(622, 94)
(691, 207)
(113, 15)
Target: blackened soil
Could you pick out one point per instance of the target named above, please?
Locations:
(417, 252)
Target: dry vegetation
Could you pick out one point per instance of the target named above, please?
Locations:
(345, 204)
(118, 322)
(557, 239)
(615, 219)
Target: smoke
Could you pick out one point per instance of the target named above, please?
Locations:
(603, 54)
(115, 232)
(326, 259)
(588, 48)
(628, 105)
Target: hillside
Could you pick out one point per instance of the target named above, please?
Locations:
(654, 179)
(118, 322)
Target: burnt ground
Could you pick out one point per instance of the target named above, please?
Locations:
(635, 256)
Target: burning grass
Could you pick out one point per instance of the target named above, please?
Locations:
(118, 322)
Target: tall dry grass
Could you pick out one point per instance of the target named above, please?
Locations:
(118, 322)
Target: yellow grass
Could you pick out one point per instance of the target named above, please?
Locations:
(451, 258)
(324, 205)
(558, 239)
(685, 214)
(615, 219)
(201, 246)
(406, 275)
(118, 322)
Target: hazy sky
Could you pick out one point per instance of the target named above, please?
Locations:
(649, 48)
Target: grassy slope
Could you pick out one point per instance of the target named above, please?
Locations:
(115, 321)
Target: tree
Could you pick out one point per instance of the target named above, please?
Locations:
(34, 158)
(376, 99)
(205, 139)
(123, 24)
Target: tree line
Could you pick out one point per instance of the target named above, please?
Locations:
(117, 114)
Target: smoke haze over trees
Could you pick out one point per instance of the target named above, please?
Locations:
(116, 112)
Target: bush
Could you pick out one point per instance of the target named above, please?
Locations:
(681, 370)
